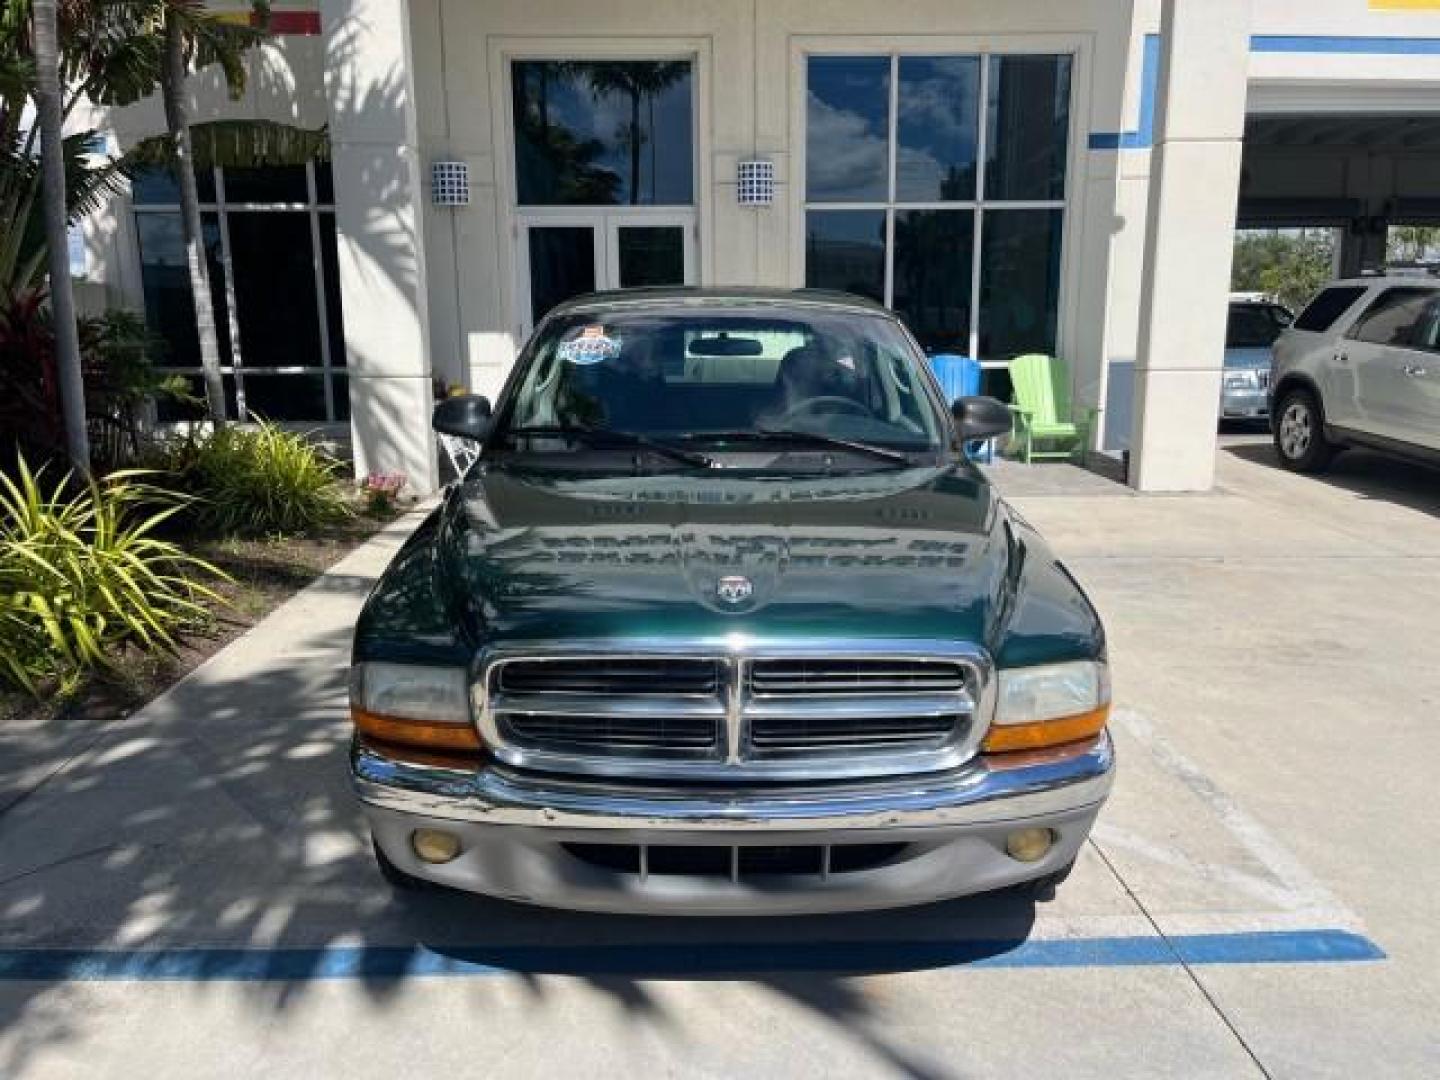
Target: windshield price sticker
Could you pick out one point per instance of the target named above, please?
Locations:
(591, 347)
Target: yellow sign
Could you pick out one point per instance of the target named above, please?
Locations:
(1405, 5)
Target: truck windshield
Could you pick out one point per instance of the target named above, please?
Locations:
(1255, 326)
(712, 379)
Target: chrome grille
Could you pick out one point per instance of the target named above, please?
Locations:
(799, 732)
(811, 677)
(732, 717)
(611, 676)
(597, 731)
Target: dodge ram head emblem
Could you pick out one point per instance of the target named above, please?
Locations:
(734, 590)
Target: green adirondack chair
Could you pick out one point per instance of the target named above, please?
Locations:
(1045, 425)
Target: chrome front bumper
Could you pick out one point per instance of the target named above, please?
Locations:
(1245, 404)
(514, 830)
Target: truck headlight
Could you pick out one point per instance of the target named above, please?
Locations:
(416, 704)
(1241, 380)
(1048, 705)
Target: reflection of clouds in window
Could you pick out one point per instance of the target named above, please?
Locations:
(938, 105)
(942, 106)
(845, 156)
(921, 178)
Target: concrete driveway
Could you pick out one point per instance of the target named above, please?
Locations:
(190, 893)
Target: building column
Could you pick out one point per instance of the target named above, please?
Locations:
(370, 91)
(1194, 185)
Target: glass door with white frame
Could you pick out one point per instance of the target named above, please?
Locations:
(565, 255)
(649, 250)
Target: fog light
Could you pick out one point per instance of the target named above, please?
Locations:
(434, 845)
(1029, 845)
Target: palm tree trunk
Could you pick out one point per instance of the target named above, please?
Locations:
(177, 119)
(62, 296)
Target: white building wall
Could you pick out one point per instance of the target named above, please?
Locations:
(750, 101)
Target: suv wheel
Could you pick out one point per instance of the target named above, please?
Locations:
(1300, 433)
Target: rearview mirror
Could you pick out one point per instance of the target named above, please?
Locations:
(724, 345)
(467, 416)
(981, 417)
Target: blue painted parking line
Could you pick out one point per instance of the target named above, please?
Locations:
(672, 960)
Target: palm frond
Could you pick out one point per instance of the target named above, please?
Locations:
(211, 39)
(237, 144)
(91, 181)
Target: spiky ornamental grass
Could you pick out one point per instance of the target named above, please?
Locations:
(261, 481)
(81, 576)
(266, 482)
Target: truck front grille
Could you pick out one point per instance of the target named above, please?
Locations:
(597, 731)
(611, 676)
(800, 732)
(808, 678)
(734, 718)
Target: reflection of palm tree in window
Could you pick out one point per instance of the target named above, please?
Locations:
(568, 162)
(932, 278)
(642, 82)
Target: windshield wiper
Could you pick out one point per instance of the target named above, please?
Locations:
(602, 436)
(814, 438)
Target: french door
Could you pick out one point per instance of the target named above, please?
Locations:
(566, 252)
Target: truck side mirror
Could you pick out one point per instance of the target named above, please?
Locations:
(981, 417)
(467, 416)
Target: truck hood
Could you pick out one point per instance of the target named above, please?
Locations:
(895, 554)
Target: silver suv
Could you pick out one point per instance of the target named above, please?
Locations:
(1360, 367)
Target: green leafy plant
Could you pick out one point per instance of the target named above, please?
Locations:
(117, 354)
(82, 576)
(258, 482)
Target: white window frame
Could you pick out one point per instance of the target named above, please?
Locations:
(1077, 48)
(605, 223)
(222, 207)
(513, 248)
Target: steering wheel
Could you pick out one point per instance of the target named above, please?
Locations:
(826, 403)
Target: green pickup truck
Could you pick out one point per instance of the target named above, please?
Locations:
(723, 620)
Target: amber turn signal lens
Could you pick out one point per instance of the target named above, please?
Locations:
(430, 733)
(1003, 738)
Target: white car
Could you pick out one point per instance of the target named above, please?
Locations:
(1360, 366)
(1254, 324)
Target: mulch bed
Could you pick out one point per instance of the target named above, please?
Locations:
(267, 572)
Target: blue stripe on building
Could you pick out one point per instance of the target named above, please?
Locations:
(1144, 135)
(1367, 46)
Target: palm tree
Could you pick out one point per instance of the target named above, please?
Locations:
(177, 119)
(50, 108)
(191, 34)
(113, 53)
(640, 81)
